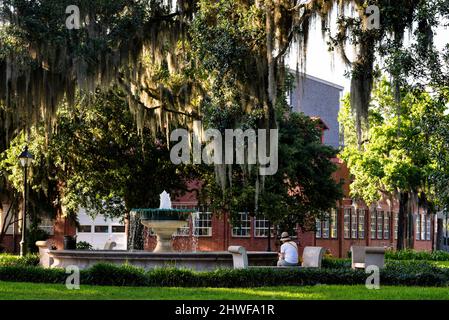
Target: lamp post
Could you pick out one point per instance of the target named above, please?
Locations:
(26, 159)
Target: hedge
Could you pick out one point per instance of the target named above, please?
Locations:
(409, 254)
(13, 260)
(114, 275)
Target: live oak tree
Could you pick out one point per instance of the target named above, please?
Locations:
(399, 157)
(218, 61)
(96, 159)
(146, 47)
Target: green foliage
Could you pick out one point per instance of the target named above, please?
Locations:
(334, 263)
(417, 255)
(83, 245)
(34, 233)
(96, 159)
(13, 260)
(107, 274)
(32, 274)
(397, 273)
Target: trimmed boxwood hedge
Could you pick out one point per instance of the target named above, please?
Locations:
(409, 254)
(113, 275)
(13, 260)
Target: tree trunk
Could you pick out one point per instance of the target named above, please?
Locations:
(402, 220)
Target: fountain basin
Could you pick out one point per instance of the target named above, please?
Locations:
(199, 261)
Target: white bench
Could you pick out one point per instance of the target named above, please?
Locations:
(362, 257)
(239, 257)
(311, 258)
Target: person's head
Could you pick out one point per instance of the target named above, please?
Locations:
(285, 237)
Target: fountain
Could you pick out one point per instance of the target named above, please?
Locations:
(164, 221)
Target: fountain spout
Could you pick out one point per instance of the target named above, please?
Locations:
(165, 201)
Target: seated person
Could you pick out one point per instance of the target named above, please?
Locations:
(289, 252)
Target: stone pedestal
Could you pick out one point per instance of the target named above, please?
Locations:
(44, 257)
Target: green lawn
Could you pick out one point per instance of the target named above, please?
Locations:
(32, 291)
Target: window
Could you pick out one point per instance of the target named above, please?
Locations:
(244, 226)
(47, 225)
(354, 224)
(318, 232)
(373, 224)
(396, 222)
(347, 222)
(428, 225)
(118, 229)
(380, 224)
(203, 224)
(423, 227)
(361, 218)
(101, 229)
(333, 222)
(85, 229)
(261, 227)
(327, 228)
(418, 227)
(387, 225)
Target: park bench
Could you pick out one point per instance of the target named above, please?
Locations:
(362, 257)
(311, 257)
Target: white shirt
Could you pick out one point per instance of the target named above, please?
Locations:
(290, 251)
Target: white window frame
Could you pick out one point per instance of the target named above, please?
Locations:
(260, 223)
(47, 225)
(418, 227)
(361, 216)
(204, 218)
(246, 227)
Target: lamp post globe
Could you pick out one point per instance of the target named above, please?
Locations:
(26, 159)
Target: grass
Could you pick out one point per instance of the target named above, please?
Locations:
(33, 291)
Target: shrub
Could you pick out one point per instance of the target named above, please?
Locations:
(83, 245)
(13, 260)
(114, 275)
(334, 263)
(32, 274)
(409, 254)
(410, 274)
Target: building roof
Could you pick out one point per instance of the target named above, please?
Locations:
(307, 76)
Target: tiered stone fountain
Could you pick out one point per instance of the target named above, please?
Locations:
(164, 221)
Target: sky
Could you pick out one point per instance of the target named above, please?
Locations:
(328, 66)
